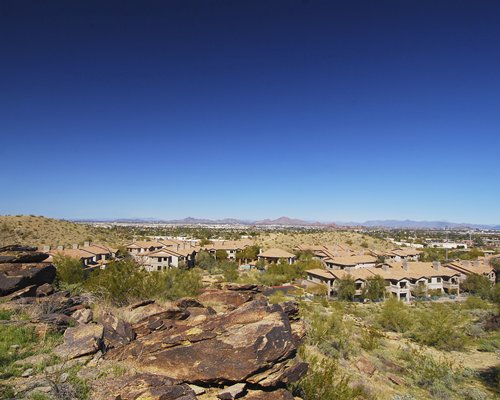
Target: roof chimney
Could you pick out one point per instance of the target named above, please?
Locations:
(46, 248)
(86, 244)
(406, 267)
(60, 247)
(436, 265)
(74, 246)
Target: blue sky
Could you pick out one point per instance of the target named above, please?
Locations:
(319, 110)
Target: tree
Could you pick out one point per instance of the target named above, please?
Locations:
(204, 260)
(478, 285)
(221, 254)
(495, 263)
(374, 288)
(248, 253)
(346, 288)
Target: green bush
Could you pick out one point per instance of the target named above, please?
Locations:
(395, 316)
(123, 282)
(69, 269)
(325, 380)
(440, 326)
(475, 303)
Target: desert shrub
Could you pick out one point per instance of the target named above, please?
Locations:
(229, 270)
(69, 269)
(473, 302)
(370, 339)
(176, 283)
(395, 316)
(427, 371)
(472, 393)
(280, 273)
(330, 333)
(325, 380)
(277, 297)
(123, 282)
(439, 326)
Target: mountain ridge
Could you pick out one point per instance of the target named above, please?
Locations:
(287, 221)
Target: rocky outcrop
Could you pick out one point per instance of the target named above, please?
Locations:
(229, 343)
(117, 332)
(21, 267)
(239, 346)
(80, 341)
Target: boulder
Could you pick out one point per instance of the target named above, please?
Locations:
(223, 349)
(16, 257)
(14, 277)
(188, 302)
(151, 312)
(117, 332)
(28, 291)
(142, 386)
(226, 300)
(57, 320)
(247, 287)
(365, 366)
(44, 290)
(83, 316)
(80, 341)
(232, 392)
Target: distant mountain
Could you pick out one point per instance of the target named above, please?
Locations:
(398, 224)
(287, 221)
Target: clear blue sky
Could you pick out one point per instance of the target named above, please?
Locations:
(319, 110)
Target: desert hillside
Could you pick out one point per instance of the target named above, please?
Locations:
(38, 231)
(354, 240)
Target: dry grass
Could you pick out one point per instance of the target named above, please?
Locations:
(38, 231)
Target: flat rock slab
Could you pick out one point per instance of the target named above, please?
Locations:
(14, 277)
(232, 392)
(280, 394)
(80, 341)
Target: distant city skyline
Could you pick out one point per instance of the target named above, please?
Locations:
(317, 110)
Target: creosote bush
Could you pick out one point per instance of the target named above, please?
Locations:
(123, 282)
(325, 380)
(395, 316)
(69, 270)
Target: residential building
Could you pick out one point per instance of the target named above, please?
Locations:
(361, 261)
(276, 255)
